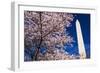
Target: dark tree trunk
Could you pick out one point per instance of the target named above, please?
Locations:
(36, 54)
(39, 46)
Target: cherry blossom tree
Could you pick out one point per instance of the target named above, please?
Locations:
(47, 30)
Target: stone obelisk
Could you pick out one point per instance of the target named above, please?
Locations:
(81, 47)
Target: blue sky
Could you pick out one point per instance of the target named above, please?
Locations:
(84, 20)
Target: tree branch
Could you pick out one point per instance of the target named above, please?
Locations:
(38, 48)
(54, 28)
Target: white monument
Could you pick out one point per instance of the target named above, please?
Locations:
(81, 47)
